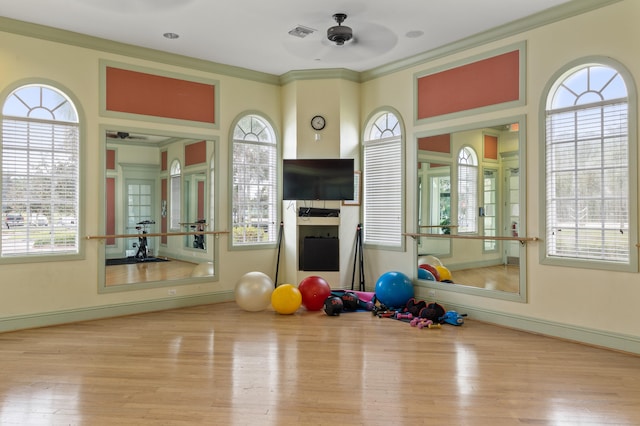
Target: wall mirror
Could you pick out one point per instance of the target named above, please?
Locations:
(470, 182)
(157, 198)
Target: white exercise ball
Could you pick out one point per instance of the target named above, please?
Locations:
(429, 260)
(253, 291)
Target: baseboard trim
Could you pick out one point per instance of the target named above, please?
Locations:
(593, 337)
(46, 319)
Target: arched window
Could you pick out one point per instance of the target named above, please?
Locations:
(467, 190)
(382, 181)
(175, 173)
(587, 158)
(40, 173)
(254, 184)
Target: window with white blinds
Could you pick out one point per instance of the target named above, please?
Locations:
(467, 191)
(40, 174)
(587, 167)
(254, 183)
(382, 183)
(176, 195)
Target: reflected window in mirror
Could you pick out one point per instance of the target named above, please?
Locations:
(434, 207)
(254, 160)
(467, 190)
(469, 176)
(195, 209)
(176, 195)
(489, 213)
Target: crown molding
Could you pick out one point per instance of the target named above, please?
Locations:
(95, 43)
(554, 14)
(320, 74)
(545, 17)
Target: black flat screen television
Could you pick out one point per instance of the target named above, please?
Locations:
(318, 179)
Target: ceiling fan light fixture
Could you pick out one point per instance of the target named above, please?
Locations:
(339, 34)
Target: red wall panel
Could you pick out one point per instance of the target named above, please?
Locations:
(437, 143)
(195, 153)
(163, 161)
(111, 159)
(487, 82)
(140, 93)
(490, 147)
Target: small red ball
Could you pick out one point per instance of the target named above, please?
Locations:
(314, 291)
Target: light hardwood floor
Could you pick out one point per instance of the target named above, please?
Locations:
(147, 271)
(499, 277)
(219, 365)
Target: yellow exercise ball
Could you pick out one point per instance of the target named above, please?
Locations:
(445, 274)
(286, 299)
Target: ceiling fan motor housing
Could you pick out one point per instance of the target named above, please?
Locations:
(339, 34)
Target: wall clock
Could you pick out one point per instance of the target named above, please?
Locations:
(318, 122)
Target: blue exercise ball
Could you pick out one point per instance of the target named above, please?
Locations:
(423, 274)
(394, 289)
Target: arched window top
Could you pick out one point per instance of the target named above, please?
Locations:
(589, 84)
(467, 157)
(175, 168)
(40, 102)
(253, 128)
(386, 125)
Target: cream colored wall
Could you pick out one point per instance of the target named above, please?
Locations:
(34, 289)
(337, 101)
(576, 299)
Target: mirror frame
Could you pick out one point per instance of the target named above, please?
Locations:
(102, 287)
(521, 295)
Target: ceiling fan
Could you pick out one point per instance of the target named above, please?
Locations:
(125, 135)
(340, 44)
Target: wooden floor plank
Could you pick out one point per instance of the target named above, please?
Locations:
(217, 364)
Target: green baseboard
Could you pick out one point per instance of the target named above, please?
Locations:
(46, 319)
(589, 336)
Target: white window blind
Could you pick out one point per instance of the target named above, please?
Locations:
(587, 186)
(467, 191)
(382, 192)
(39, 188)
(587, 167)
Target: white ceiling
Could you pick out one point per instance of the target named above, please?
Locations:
(254, 34)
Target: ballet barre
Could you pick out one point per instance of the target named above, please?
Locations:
(155, 234)
(522, 240)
